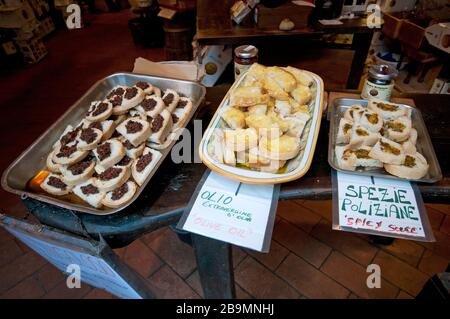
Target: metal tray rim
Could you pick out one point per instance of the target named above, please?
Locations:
(77, 207)
(426, 136)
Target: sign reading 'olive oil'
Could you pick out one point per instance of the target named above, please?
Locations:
(234, 212)
(387, 207)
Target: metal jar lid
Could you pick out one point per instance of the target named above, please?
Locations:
(382, 72)
(246, 51)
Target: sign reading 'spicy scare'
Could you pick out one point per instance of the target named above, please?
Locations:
(380, 205)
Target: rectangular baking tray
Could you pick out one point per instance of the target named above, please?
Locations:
(296, 168)
(32, 160)
(423, 145)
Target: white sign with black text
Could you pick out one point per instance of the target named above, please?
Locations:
(233, 212)
(379, 205)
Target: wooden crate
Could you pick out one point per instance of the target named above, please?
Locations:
(391, 25)
(412, 34)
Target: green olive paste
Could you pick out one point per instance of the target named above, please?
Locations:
(386, 147)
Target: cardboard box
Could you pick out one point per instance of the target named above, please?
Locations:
(437, 86)
(213, 60)
(27, 31)
(16, 16)
(33, 50)
(446, 88)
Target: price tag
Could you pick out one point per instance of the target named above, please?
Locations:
(380, 206)
(234, 212)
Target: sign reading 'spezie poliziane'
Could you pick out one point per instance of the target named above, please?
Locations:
(379, 206)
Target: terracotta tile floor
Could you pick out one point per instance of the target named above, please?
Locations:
(307, 260)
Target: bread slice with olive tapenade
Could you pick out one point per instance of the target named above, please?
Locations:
(109, 153)
(90, 193)
(99, 111)
(54, 184)
(77, 173)
(144, 165)
(120, 195)
(170, 99)
(161, 126)
(112, 178)
(88, 138)
(135, 130)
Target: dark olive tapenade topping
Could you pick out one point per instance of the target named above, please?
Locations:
(96, 125)
(56, 182)
(143, 161)
(119, 192)
(168, 99)
(157, 123)
(142, 85)
(104, 151)
(66, 151)
(124, 161)
(148, 104)
(100, 108)
(89, 189)
(109, 173)
(88, 135)
(78, 168)
(130, 93)
(182, 103)
(128, 145)
(116, 100)
(133, 127)
(118, 91)
(69, 137)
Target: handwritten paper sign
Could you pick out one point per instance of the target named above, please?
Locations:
(96, 263)
(380, 206)
(234, 212)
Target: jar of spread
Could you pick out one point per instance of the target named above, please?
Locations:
(244, 57)
(379, 83)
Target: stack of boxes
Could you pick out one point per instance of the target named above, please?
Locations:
(29, 21)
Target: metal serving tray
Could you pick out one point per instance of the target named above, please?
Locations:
(423, 145)
(32, 160)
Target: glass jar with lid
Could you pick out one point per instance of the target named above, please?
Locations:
(379, 82)
(244, 57)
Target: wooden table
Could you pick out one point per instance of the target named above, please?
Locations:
(163, 201)
(215, 27)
